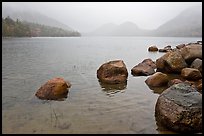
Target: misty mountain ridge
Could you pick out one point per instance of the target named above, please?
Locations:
(187, 23)
(125, 29)
(32, 16)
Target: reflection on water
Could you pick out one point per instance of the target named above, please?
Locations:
(111, 89)
(158, 90)
(29, 62)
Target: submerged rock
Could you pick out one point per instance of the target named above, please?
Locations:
(53, 89)
(113, 72)
(179, 108)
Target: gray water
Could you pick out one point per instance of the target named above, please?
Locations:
(27, 63)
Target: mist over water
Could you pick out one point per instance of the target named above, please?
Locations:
(102, 32)
(91, 107)
(88, 16)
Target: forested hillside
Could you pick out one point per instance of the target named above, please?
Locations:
(17, 28)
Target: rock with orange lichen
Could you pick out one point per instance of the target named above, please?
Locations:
(53, 89)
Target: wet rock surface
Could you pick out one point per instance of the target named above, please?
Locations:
(153, 48)
(179, 108)
(171, 62)
(144, 69)
(113, 72)
(157, 79)
(54, 89)
(197, 64)
(191, 52)
(191, 74)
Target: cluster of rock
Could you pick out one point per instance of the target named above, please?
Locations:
(179, 108)
(185, 60)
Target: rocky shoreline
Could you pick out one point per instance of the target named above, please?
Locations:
(179, 106)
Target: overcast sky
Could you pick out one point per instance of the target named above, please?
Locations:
(86, 16)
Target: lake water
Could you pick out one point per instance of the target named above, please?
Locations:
(27, 63)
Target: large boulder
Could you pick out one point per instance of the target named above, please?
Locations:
(179, 108)
(144, 69)
(153, 48)
(197, 63)
(113, 72)
(171, 62)
(157, 79)
(191, 74)
(191, 52)
(54, 89)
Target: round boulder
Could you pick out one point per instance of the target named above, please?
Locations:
(179, 108)
(191, 74)
(157, 79)
(53, 89)
(191, 52)
(197, 63)
(171, 62)
(113, 72)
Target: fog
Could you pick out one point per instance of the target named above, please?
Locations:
(87, 16)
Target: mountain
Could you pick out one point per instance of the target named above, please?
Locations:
(129, 29)
(103, 30)
(187, 23)
(124, 29)
(32, 16)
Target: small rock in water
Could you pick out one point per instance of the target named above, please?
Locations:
(53, 89)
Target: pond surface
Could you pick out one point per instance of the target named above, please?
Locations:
(91, 107)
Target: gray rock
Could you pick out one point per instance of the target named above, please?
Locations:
(197, 64)
(179, 108)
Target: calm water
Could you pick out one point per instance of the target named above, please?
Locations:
(27, 63)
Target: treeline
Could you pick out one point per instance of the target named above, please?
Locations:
(11, 28)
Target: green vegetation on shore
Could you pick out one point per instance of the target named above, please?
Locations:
(11, 28)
